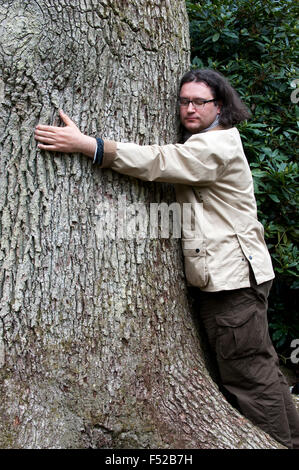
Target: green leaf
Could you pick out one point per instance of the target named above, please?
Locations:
(274, 197)
(215, 37)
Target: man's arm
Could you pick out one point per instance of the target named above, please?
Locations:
(199, 161)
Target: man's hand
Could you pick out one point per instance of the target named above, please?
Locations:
(68, 139)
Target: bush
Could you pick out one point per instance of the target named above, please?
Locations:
(254, 44)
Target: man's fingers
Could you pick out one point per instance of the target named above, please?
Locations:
(55, 129)
(45, 137)
(42, 127)
(45, 140)
(67, 121)
(62, 139)
(44, 133)
(47, 147)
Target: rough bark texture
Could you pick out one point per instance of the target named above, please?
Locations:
(98, 347)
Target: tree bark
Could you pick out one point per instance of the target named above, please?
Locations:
(98, 343)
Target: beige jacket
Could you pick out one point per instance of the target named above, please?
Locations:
(211, 173)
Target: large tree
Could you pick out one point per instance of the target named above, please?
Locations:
(98, 345)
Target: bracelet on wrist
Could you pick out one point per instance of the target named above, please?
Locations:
(99, 153)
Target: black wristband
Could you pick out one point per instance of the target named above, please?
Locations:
(100, 151)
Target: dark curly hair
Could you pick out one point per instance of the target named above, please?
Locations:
(233, 110)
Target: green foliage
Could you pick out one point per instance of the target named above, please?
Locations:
(254, 43)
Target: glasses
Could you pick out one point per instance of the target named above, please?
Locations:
(196, 103)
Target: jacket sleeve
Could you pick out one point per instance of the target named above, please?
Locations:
(199, 161)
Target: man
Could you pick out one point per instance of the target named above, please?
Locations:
(226, 258)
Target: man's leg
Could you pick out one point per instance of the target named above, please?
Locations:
(237, 327)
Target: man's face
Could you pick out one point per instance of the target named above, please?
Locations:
(196, 119)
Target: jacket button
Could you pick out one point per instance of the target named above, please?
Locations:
(197, 250)
(250, 257)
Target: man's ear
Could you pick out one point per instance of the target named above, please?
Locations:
(219, 105)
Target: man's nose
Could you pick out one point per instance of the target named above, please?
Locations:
(192, 106)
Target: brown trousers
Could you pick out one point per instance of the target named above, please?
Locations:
(237, 328)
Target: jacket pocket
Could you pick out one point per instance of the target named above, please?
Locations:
(238, 332)
(195, 262)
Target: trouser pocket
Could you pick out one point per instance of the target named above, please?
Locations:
(239, 334)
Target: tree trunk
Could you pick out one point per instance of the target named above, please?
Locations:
(98, 345)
